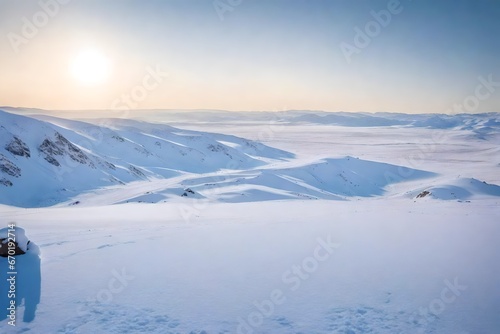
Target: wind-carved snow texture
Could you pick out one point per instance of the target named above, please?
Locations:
(413, 202)
(116, 152)
(328, 179)
(461, 189)
(219, 167)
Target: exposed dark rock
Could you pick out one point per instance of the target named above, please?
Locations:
(115, 180)
(8, 167)
(118, 138)
(74, 152)
(50, 148)
(110, 165)
(13, 241)
(63, 147)
(187, 191)
(216, 148)
(136, 171)
(423, 194)
(219, 148)
(5, 182)
(18, 147)
(52, 160)
(106, 164)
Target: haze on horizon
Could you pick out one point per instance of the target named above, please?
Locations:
(368, 55)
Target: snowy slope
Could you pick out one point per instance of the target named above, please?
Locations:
(335, 179)
(43, 162)
(46, 160)
(458, 189)
(142, 268)
(304, 227)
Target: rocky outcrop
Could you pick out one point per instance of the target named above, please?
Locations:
(49, 149)
(5, 182)
(105, 164)
(219, 148)
(13, 241)
(18, 147)
(187, 192)
(118, 138)
(216, 148)
(424, 194)
(136, 171)
(61, 147)
(8, 167)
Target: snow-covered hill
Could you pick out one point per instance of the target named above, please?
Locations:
(48, 160)
(475, 122)
(333, 179)
(458, 189)
(317, 223)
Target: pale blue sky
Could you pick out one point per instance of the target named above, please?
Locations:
(263, 55)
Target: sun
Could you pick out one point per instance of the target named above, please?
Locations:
(90, 67)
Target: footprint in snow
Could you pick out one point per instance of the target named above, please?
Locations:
(372, 320)
(116, 319)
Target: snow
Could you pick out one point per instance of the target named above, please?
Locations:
(318, 230)
(204, 274)
(115, 152)
(461, 189)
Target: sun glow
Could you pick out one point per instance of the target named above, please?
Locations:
(90, 67)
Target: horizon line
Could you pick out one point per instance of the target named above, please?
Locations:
(243, 111)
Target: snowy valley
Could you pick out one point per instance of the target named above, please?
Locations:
(290, 222)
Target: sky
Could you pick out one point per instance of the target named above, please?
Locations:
(420, 56)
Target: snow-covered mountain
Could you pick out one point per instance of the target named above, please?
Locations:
(305, 227)
(46, 160)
